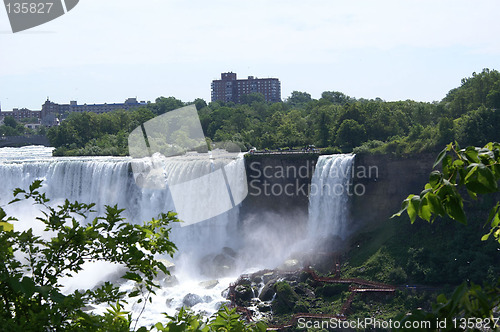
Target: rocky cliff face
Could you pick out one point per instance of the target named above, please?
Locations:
(383, 182)
(279, 184)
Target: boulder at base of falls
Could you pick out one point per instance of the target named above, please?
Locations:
(264, 307)
(243, 294)
(285, 299)
(219, 304)
(267, 293)
(169, 281)
(169, 265)
(229, 252)
(217, 266)
(190, 300)
(209, 284)
(268, 276)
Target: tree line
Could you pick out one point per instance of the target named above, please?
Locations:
(469, 114)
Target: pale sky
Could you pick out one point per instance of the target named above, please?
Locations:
(108, 50)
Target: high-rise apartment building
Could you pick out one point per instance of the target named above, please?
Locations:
(229, 88)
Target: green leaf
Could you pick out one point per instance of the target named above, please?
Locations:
(480, 179)
(440, 157)
(436, 204)
(134, 293)
(447, 166)
(132, 276)
(424, 209)
(496, 221)
(28, 287)
(435, 179)
(492, 214)
(404, 206)
(37, 184)
(486, 237)
(413, 207)
(455, 209)
(6, 227)
(471, 153)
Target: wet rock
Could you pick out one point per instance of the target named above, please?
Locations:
(209, 284)
(190, 300)
(229, 252)
(169, 265)
(243, 293)
(207, 299)
(303, 290)
(244, 281)
(218, 305)
(264, 307)
(169, 281)
(310, 293)
(256, 279)
(285, 298)
(268, 276)
(217, 266)
(267, 293)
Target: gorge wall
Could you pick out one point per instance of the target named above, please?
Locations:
(379, 184)
(387, 180)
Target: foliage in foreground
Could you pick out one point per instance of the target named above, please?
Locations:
(32, 267)
(225, 320)
(476, 170)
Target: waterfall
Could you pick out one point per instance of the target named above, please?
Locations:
(329, 196)
(109, 181)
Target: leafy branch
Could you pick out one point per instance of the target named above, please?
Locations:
(476, 170)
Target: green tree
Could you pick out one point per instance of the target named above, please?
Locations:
(163, 105)
(252, 97)
(30, 288)
(299, 98)
(200, 103)
(9, 121)
(446, 129)
(336, 97)
(350, 134)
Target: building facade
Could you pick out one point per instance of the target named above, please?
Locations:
(51, 112)
(50, 107)
(22, 113)
(230, 89)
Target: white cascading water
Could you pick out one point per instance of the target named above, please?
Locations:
(109, 181)
(329, 196)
